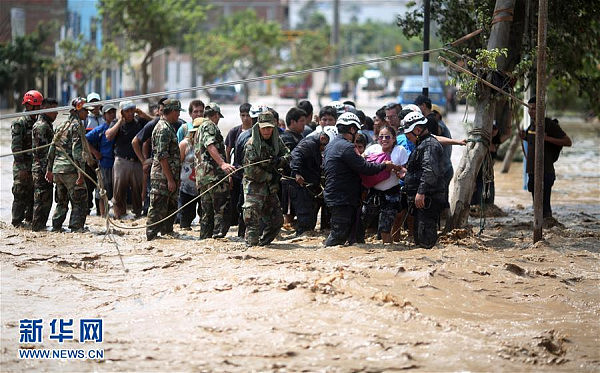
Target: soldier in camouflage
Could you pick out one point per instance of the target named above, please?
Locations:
(42, 134)
(165, 172)
(210, 169)
(22, 207)
(70, 183)
(261, 182)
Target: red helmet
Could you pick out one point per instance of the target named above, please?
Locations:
(32, 97)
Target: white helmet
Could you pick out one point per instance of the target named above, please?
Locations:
(338, 106)
(411, 120)
(413, 107)
(255, 110)
(330, 131)
(348, 119)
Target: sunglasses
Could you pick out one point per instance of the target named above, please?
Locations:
(385, 137)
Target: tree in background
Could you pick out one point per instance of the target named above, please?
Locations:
(84, 60)
(573, 34)
(151, 25)
(22, 62)
(241, 42)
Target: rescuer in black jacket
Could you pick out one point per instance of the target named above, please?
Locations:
(342, 181)
(306, 169)
(424, 180)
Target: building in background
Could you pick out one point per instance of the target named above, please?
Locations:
(84, 19)
(359, 10)
(19, 18)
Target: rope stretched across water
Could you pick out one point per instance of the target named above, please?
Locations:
(112, 222)
(235, 82)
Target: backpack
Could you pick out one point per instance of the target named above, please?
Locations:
(369, 181)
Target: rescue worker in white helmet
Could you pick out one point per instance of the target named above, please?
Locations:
(342, 181)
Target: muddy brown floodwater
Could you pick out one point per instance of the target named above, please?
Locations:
(473, 303)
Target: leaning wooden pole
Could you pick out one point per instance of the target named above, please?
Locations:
(510, 153)
(540, 114)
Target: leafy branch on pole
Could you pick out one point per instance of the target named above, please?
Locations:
(242, 43)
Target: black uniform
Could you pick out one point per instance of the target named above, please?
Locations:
(551, 154)
(425, 175)
(343, 186)
(306, 161)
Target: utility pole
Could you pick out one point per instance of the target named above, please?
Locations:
(540, 115)
(335, 87)
(426, 47)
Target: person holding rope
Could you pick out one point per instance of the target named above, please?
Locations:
(262, 210)
(42, 134)
(305, 164)
(211, 167)
(128, 173)
(295, 120)
(22, 206)
(554, 140)
(342, 181)
(187, 189)
(70, 183)
(165, 172)
(424, 180)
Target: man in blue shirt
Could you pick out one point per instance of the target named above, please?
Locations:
(102, 149)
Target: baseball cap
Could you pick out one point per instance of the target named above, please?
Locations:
(437, 108)
(106, 108)
(126, 105)
(212, 106)
(93, 96)
(266, 120)
(172, 104)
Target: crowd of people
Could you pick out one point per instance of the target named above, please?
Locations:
(364, 174)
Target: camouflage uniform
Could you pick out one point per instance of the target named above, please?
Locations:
(70, 139)
(42, 134)
(22, 207)
(162, 201)
(208, 173)
(261, 206)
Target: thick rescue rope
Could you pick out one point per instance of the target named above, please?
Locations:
(487, 169)
(240, 81)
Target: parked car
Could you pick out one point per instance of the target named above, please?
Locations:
(224, 94)
(412, 86)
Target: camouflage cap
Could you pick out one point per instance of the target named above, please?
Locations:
(212, 106)
(172, 105)
(266, 120)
